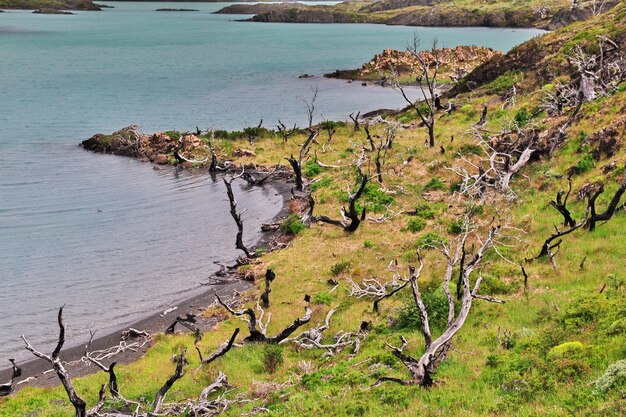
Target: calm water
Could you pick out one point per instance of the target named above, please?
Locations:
(109, 236)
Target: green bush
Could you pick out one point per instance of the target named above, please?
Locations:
(376, 199)
(436, 304)
(322, 298)
(272, 357)
(585, 164)
(470, 149)
(424, 211)
(505, 82)
(321, 183)
(415, 225)
(429, 240)
(340, 267)
(522, 117)
(311, 168)
(456, 227)
(368, 244)
(435, 184)
(566, 350)
(292, 225)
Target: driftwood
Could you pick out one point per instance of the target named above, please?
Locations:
(312, 338)
(6, 389)
(220, 351)
(258, 329)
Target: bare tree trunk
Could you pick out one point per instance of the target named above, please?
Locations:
(237, 217)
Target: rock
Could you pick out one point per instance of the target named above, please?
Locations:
(191, 141)
(124, 142)
(305, 76)
(51, 11)
(161, 159)
(176, 10)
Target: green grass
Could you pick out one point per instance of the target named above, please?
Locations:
(567, 339)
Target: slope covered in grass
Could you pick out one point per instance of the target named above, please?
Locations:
(554, 348)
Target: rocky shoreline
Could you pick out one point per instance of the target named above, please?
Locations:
(430, 13)
(454, 64)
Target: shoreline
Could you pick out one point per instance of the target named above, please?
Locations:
(154, 322)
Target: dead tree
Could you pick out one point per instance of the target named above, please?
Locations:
(258, 329)
(351, 217)
(284, 132)
(6, 389)
(237, 217)
(427, 73)
(369, 138)
(202, 406)
(220, 351)
(214, 164)
(483, 118)
(355, 120)
(310, 105)
(379, 159)
(265, 296)
(189, 321)
(606, 215)
(79, 404)
(435, 349)
(312, 338)
(178, 374)
(377, 291)
(560, 205)
(303, 155)
(329, 127)
(504, 156)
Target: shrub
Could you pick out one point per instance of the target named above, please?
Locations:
(272, 357)
(424, 211)
(415, 225)
(436, 305)
(614, 376)
(505, 82)
(429, 240)
(376, 199)
(368, 244)
(292, 225)
(522, 117)
(456, 227)
(310, 168)
(321, 183)
(566, 350)
(339, 267)
(470, 149)
(322, 298)
(435, 184)
(585, 164)
(618, 327)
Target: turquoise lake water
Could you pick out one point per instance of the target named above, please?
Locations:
(74, 225)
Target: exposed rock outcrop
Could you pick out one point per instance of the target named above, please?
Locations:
(129, 141)
(453, 62)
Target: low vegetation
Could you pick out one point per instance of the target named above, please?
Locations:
(447, 249)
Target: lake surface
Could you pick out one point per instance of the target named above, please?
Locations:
(110, 237)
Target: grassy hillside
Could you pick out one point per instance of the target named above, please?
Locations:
(519, 13)
(545, 351)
